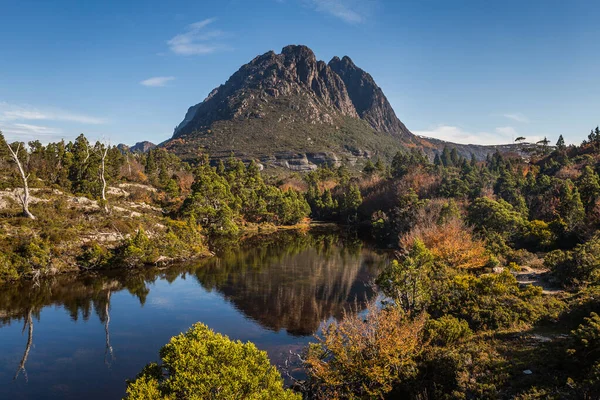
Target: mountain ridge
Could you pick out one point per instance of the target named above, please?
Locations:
(291, 107)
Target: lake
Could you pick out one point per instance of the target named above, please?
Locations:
(82, 336)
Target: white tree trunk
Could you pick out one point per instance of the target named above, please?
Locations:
(28, 321)
(108, 352)
(128, 164)
(25, 197)
(102, 168)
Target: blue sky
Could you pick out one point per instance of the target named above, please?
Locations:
(465, 71)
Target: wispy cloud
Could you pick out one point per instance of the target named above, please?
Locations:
(197, 39)
(349, 11)
(157, 81)
(37, 129)
(499, 135)
(25, 122)
(516, 117)
(26, 132)
(9, 112)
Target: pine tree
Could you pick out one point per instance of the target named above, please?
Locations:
(369, 167)
(455, 157)
(446, 158)
(560, 143)
(589, 186)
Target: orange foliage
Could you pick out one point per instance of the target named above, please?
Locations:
(569, 172)
(185, 180)
(451, 243)
(422, 182)
(364, 356)
(327, 185)
(294, 183)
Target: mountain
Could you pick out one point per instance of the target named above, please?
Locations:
(139, 147)
(142, 147)
(292, 110)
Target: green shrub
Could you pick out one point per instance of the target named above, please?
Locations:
(493, 301)
(94, 255)
(8, 272)
(447, 330)
(578, 266)
(201, 364)
(138, 250)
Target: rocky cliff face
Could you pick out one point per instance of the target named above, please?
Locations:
(142, 147)
(139, 147)
(368, 98)
(294, 72)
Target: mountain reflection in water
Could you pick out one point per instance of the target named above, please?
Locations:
(282, 286)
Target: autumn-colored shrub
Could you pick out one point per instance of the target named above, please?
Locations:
(451, 243)
(364, 356)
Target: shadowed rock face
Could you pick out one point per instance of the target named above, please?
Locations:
(368, 98)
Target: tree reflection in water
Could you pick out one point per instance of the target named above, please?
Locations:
(28, 322)
(289, 280)
(315, 278)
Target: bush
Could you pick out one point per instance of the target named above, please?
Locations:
(451, 243)
(94, 255)
(576, 267)
(488, 215)
(447, 330)
(364, 357)
(7, 270)
(493, 301)
(137, 250)
(202, 364)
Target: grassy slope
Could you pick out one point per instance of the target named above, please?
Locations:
(285, 125)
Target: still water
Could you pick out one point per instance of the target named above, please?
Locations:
(73, 337)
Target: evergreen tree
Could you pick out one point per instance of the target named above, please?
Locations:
(473, 160)
(352, 199)
(455, 157)
(560, 143)
(446, 158)
(209, 203)
(369, 167)
(589, 186)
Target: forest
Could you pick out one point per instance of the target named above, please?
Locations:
(492, 291)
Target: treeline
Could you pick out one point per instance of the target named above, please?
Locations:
(152, 206)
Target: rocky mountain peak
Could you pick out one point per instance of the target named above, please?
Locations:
(295, 72)
(139, 147)
(368, 98)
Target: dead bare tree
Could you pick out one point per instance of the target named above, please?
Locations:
(24, 198)
(101, 149)
(28, 322)
(103, 153)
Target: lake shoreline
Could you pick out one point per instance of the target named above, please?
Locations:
(251, 231)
